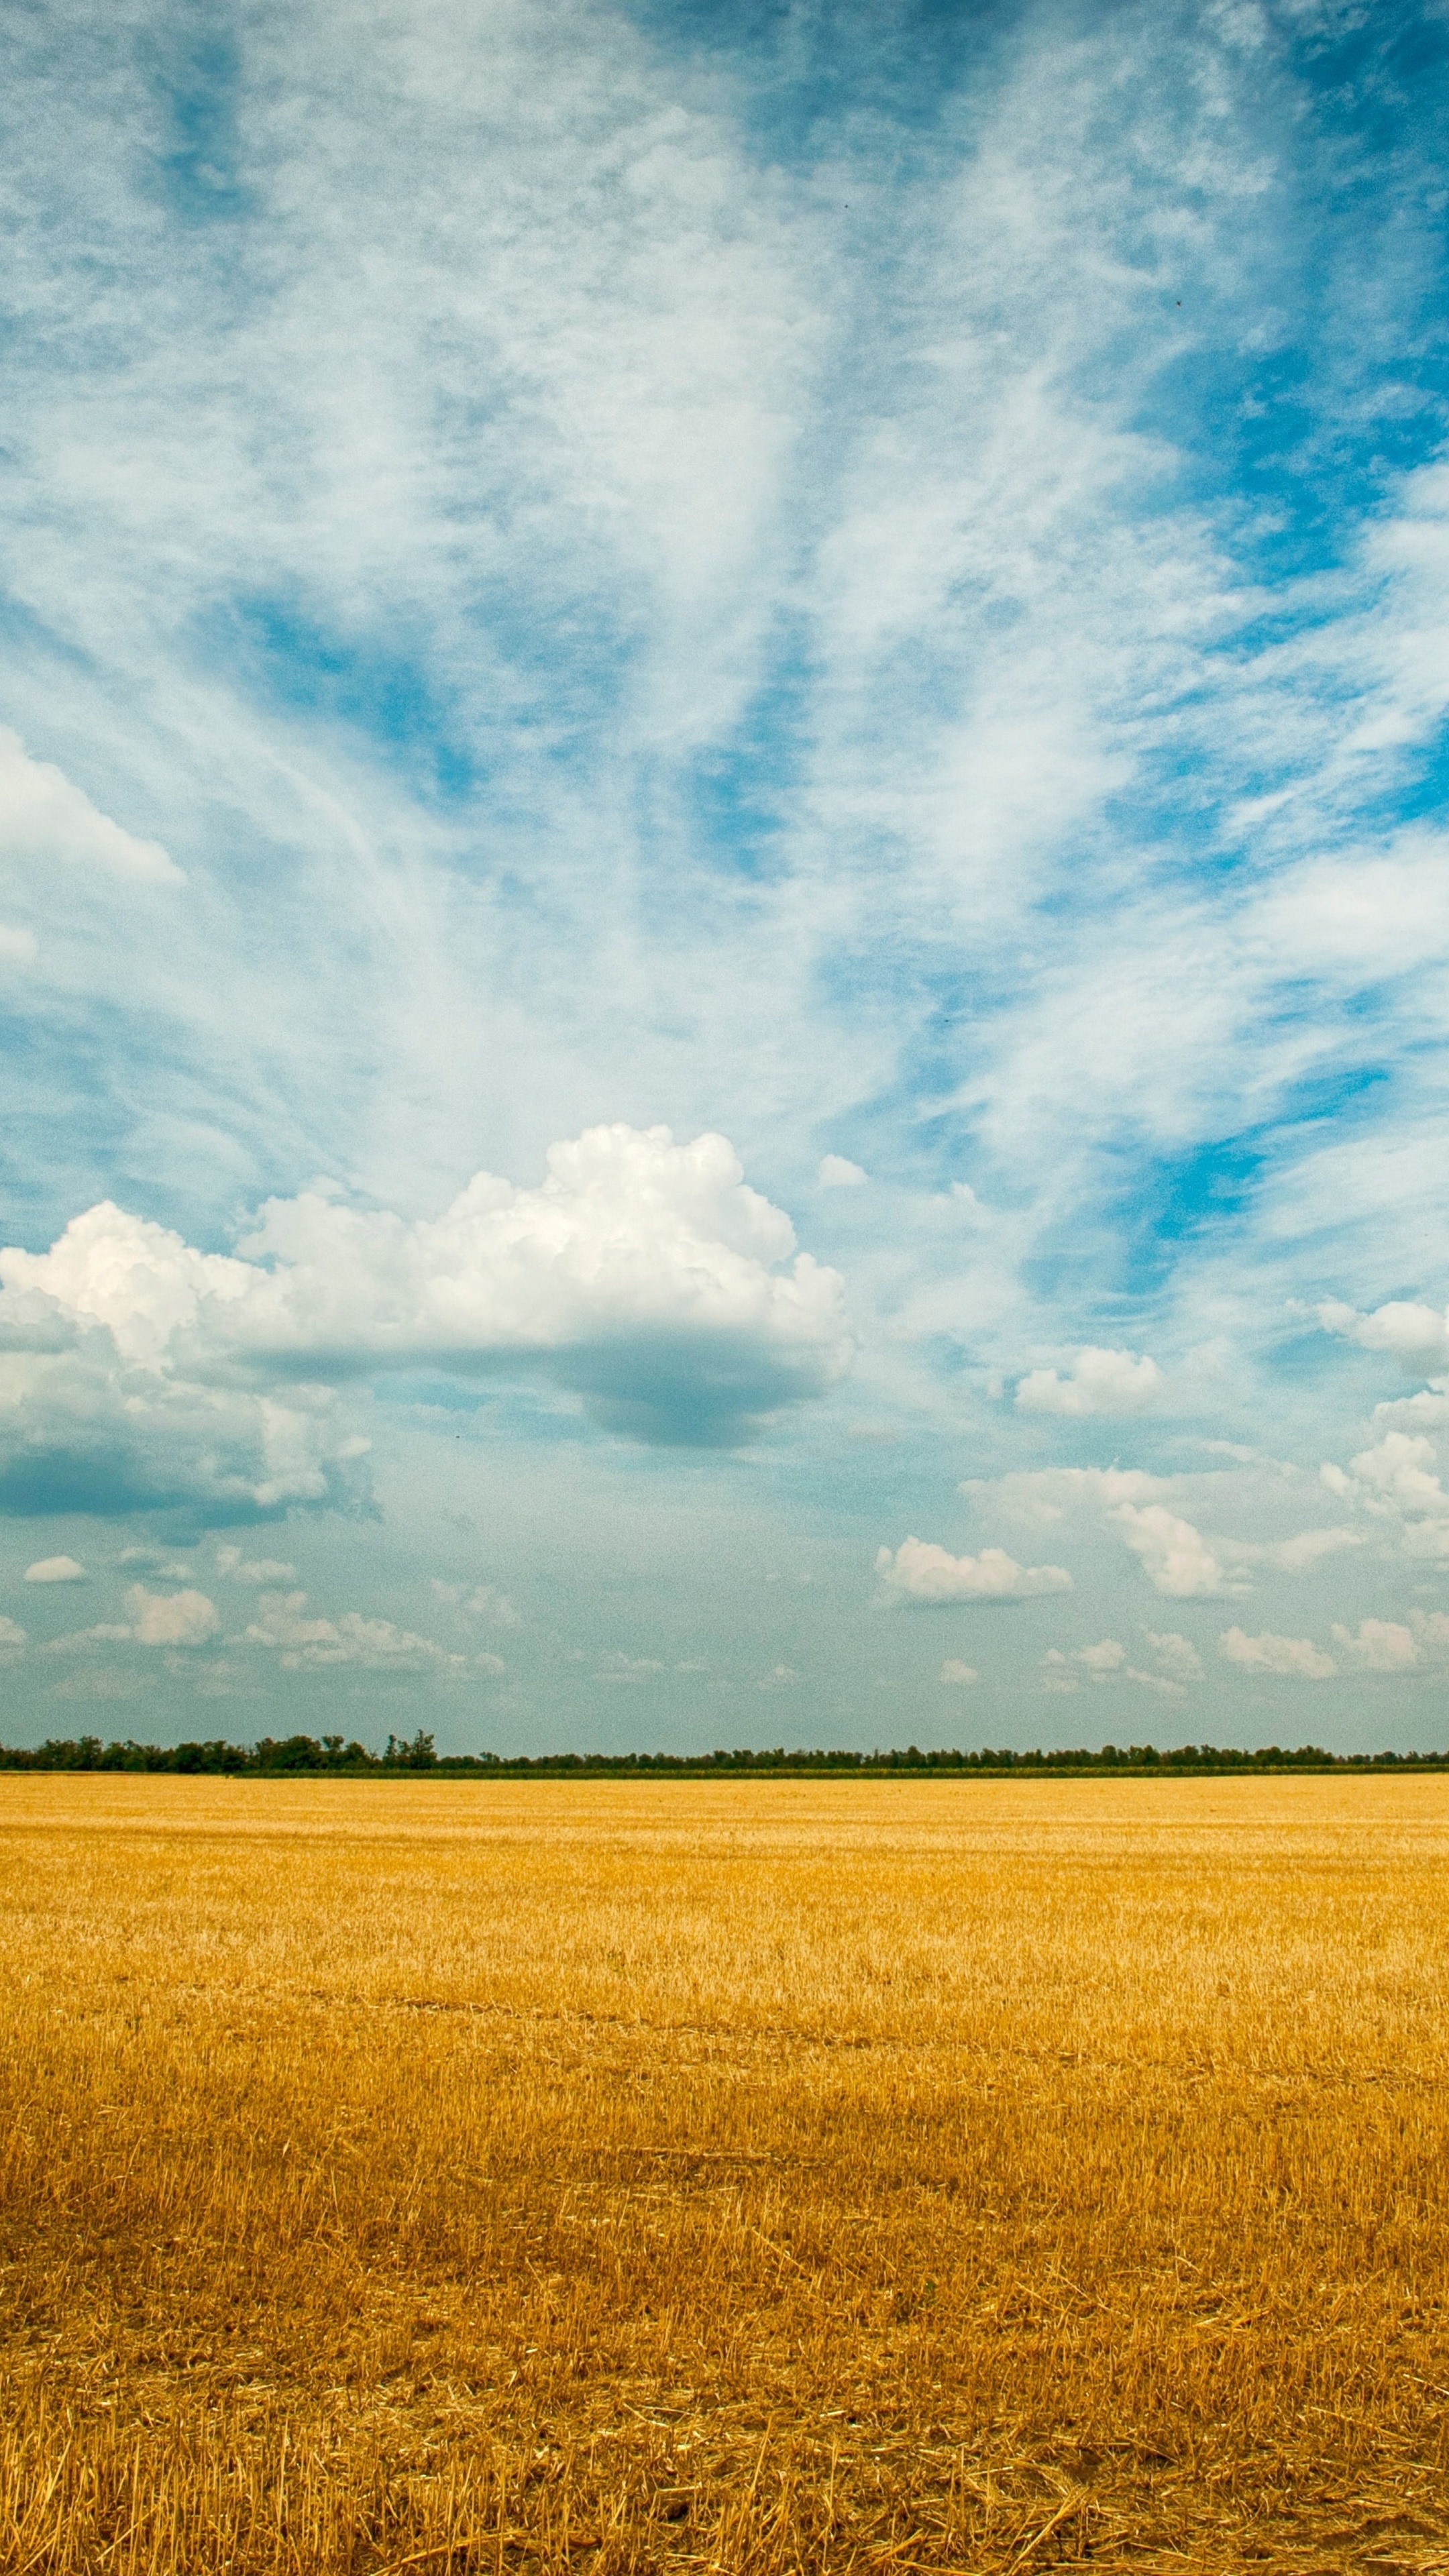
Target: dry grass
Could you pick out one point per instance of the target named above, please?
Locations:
(747, 2177)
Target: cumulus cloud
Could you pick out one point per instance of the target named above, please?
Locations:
(55, 1569)
(1377, 1646)
(838, 1173)
(1416, 1336)
(259, 1571)
(959, 1675)
(645, 1276)
(920, 1571)
(619, 1667)
(1101, 1381)
(12, 1635)
(1175, 1557)
(184, 1618)
(1178, 1560)
(1103, 1660)
(170, 1618)
(1177, 1656)
(1101, 1663)
(1178, 1663)
(1291, 1658)
(476, 1601)
(303, 1642)
(44, 817)
(1396, 1479)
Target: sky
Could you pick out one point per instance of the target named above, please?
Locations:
(724, 906)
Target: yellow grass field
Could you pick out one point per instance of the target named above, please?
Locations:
(741, 2176)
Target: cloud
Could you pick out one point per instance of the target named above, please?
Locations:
(1292, 1658)
(303, 1642)
(1101, 1663)
(55, 1569)
(644, 1275)
(260, 1571)
(619, 1667)
(779, 1677)
(166, 1618)
(12, 1635)
(1107, 1662)
(18, 947)
(1379, 1646)
(1104, 1660)
(1177, 1655)
(476, 1601)
(1299, 1554)
(1101, 1381)
(43, 817)
(836, 1173)
(1397, 1480)
(956, 1673)
(924, 1573)
(1416, 1336)
(1175, 1557)
(492, 1665)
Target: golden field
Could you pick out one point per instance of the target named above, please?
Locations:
(741, 2176)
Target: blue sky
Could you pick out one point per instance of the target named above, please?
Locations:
(817, 641)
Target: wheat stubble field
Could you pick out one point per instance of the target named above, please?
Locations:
(747, 2177)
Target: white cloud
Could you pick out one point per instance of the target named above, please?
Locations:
(44, 817)
(12, 1635)
(492, 1665)
(643, 1274)
(260, 1571)
(303, 1642)
(779, 1677)
(167, 1618)
(1379, 1646)
(836, 1173)
(1103, 1660)
(1176, 1558)
(18, 947)
(1397, 1480)
(1400, 1474)
(1101, 1381)
(1417, 1336)
(476, 1601)
(1107, 1661)
(920, 1571)
(1177, 1656)
(1293, 1658)
(957, 1673)
(619, 1667)
(1299, 1554)
(55, 1569)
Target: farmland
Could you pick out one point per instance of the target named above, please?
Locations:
(750, 2175)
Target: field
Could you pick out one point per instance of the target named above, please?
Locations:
(745, 2177)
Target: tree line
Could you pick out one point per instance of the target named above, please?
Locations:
(319, 1755)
